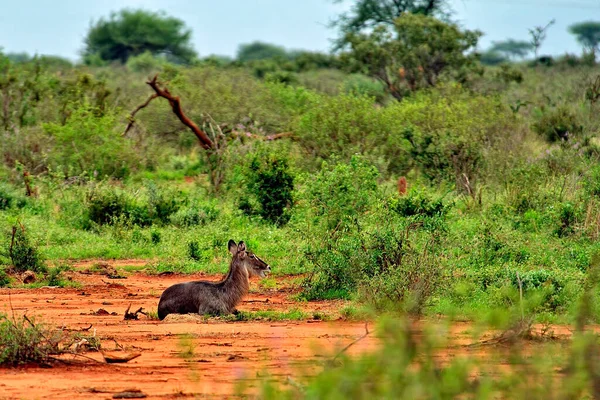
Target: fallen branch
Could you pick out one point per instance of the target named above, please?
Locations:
(133, 315)
(138, 108)
(175, 103)
(351, 344)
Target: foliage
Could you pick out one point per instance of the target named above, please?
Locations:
(357, 246)
(134, 32)
(588, 34)
(538, 36)
(88, 144)
(26, 341)
(367, 14)
(558, 124)
(107, 205)
(23, 254)
(270, 185)
(512, 48)
(415, 55)
(259, 51)
(145, 62)
(343, 126)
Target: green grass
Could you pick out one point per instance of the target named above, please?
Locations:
(271, 315)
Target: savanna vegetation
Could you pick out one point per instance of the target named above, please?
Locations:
(407, 170)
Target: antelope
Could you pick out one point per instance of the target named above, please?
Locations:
(215, 298)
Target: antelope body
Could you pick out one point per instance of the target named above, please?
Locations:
(215, 298)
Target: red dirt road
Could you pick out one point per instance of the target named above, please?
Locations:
(179, 356)
(187, 355)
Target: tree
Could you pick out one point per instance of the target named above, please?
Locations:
(512, 48)
(412, 56)
(538, 35)
(133, 32)
(260, 51)
(588, 34)
(370, 13)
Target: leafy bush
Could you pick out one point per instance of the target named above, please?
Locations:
(24, 255)
(88, 144)
(343, 126)
(270, 184)
(145, 62)
(341, 192)
(25, 341)
(105, 205)
(558, 124)
(194, 251)
(197, 214)
(8, 198)
(450, 134)
(4, 279)
(161, 204)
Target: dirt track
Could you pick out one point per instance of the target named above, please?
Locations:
(183, 356)
(223, 352)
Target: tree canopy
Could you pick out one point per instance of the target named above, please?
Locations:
(414, 54)
(366, 14)
(588, 35)
(133, 32)
(512, 48)
(260, 51)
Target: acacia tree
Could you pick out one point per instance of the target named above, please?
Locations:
(133, 32)
(260, 51)
(588, 34)
(370, 13)
(413, 54)
(512, 48)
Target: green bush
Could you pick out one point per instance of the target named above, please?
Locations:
(161, 204)
(105, 205)
(145, 62)
(23, 254)
(558, 124)
(341, 192)
(4, 279)
(197, 214)
(343, 125)
(270, 185)
(89, 144)
(25, 341)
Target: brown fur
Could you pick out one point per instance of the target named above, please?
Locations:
(215, 298)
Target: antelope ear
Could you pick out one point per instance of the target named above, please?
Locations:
(241, 246)
(233, 248)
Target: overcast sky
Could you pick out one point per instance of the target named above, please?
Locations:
(58, 26)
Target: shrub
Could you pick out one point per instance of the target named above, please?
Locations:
(88, 144)
(341, 192)
(24, 255)
(558, 124)
(197, 214)
(161, 204)
(343, 125)
(194, 251)
(449, 134)
(6, 198)
(145, 62)
(105, 205)
(25, 341)
(270, 183)
(4, 279)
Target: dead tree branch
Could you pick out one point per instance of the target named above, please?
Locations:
(175, 103)
(132, 115)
